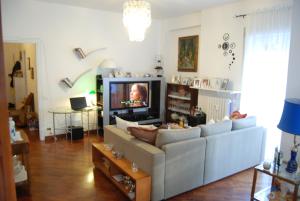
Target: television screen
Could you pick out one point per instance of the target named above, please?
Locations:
(129, 95)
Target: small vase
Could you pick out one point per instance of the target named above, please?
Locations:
(292, 164)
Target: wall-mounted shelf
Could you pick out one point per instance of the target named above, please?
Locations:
(218, 90)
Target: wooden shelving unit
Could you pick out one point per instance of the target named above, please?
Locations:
(99, 99)
(110, 166)
(180, 99)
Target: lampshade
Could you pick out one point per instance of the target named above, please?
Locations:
(92, 92)
(107, 63)
(290, 119)
(136, 18)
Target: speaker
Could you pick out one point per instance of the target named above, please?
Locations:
(77, 132)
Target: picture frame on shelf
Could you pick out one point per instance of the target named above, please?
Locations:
(176, 79)
(205, 83)
(186, 81)
(196, 83)
(224, 85)
(216, 83)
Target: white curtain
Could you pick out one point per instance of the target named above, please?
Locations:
(265, 70)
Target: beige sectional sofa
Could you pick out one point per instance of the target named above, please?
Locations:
(185, 159)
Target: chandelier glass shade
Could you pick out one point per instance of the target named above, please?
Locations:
(136, 18)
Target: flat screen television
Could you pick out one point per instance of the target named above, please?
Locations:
(128, 95)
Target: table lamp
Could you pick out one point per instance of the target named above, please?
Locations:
(290, 123)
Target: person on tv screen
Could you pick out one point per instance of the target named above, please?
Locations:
(138, 95)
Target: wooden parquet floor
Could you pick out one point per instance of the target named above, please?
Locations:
(63, 171)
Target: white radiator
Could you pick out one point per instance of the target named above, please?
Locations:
(215, 107)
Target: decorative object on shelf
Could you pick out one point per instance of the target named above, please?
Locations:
(81, 55)
(278, 158)
(117, 154)
(136, 18)
(134, 167)
(176, 79)
(158, 66)
(228, 49)
(188, 53)
(108, 147)
(290, 123)
(174, 116)
(266, 165)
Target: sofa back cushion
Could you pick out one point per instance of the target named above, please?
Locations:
(167, 136)
(244, 123)
(123, 124)
(146, 133)
(216, 128)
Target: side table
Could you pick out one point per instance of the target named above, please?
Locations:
(280, 174)
(112, 168)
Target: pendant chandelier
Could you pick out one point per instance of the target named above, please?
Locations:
(136, 18)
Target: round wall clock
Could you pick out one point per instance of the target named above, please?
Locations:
(225, 46)
(226, 36)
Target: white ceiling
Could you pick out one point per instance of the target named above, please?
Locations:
(160, 8)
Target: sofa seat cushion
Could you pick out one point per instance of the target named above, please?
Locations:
(167, 136)
(244, 123)
(146, 133)
(123, 124)
(216, 128)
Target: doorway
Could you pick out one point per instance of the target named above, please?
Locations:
(21, 84)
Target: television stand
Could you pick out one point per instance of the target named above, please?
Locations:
(141, 117)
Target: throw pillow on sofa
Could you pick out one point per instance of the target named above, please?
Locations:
(167, 136)
(244, 123)
(216, 128)
(123, 124)
(145, 133)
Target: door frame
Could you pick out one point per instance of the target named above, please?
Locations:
(7, 183)
(41, 78)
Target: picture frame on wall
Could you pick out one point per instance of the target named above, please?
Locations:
(188, 53)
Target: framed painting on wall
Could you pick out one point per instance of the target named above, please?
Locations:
(188, 53)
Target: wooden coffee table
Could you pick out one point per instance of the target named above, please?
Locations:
(110, 166)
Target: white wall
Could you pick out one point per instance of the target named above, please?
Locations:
(57, 29)
(211, 24)
(293, 84)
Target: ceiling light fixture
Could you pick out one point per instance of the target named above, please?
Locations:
(136, 18)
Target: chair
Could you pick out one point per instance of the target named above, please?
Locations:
(26, 112)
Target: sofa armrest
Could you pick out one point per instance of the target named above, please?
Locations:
(148, 157)
(184, 165)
